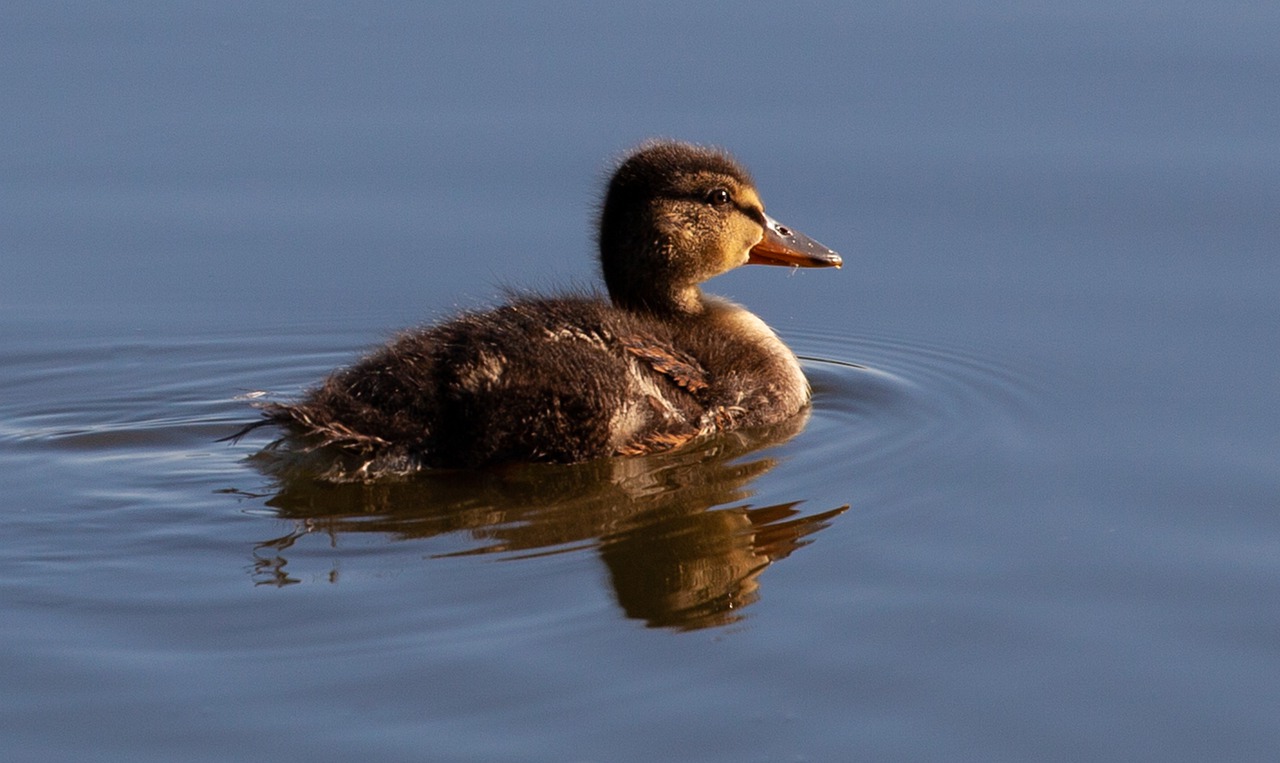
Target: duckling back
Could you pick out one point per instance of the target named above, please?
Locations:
(562, 380)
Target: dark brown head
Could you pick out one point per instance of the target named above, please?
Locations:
(676, 214)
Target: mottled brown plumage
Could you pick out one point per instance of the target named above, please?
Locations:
(573, 378)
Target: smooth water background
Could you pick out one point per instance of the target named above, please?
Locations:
(1045, 386)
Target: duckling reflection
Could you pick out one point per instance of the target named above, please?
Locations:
(699, 570)
(683, 546)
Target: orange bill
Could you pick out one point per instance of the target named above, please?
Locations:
(783, 246)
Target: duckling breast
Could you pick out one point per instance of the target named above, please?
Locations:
(755, 378)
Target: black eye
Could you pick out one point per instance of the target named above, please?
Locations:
(719, 197)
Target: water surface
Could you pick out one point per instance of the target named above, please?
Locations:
(1030, 514)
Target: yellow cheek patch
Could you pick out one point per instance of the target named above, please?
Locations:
(742, 234)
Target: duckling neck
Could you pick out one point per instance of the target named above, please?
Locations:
(680, 302)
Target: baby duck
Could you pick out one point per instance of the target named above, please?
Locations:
(573, 378)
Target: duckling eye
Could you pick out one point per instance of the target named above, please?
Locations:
(719, 197)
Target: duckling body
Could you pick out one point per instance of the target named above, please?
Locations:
(573, 378)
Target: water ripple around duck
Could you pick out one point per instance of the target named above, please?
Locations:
(880, 402)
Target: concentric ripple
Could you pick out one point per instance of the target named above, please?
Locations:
(880, 401)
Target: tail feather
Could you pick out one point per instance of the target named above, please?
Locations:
(235, 437)
(324, 433)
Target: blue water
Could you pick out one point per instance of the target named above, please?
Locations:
(1032, 513)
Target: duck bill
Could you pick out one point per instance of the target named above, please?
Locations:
(783, 246)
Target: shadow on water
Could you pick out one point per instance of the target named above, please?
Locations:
(683, 545)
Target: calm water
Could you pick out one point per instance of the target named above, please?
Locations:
(1032, 514)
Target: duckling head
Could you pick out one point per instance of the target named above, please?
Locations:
(676, 214)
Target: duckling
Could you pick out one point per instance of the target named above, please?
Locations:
(574, 377)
